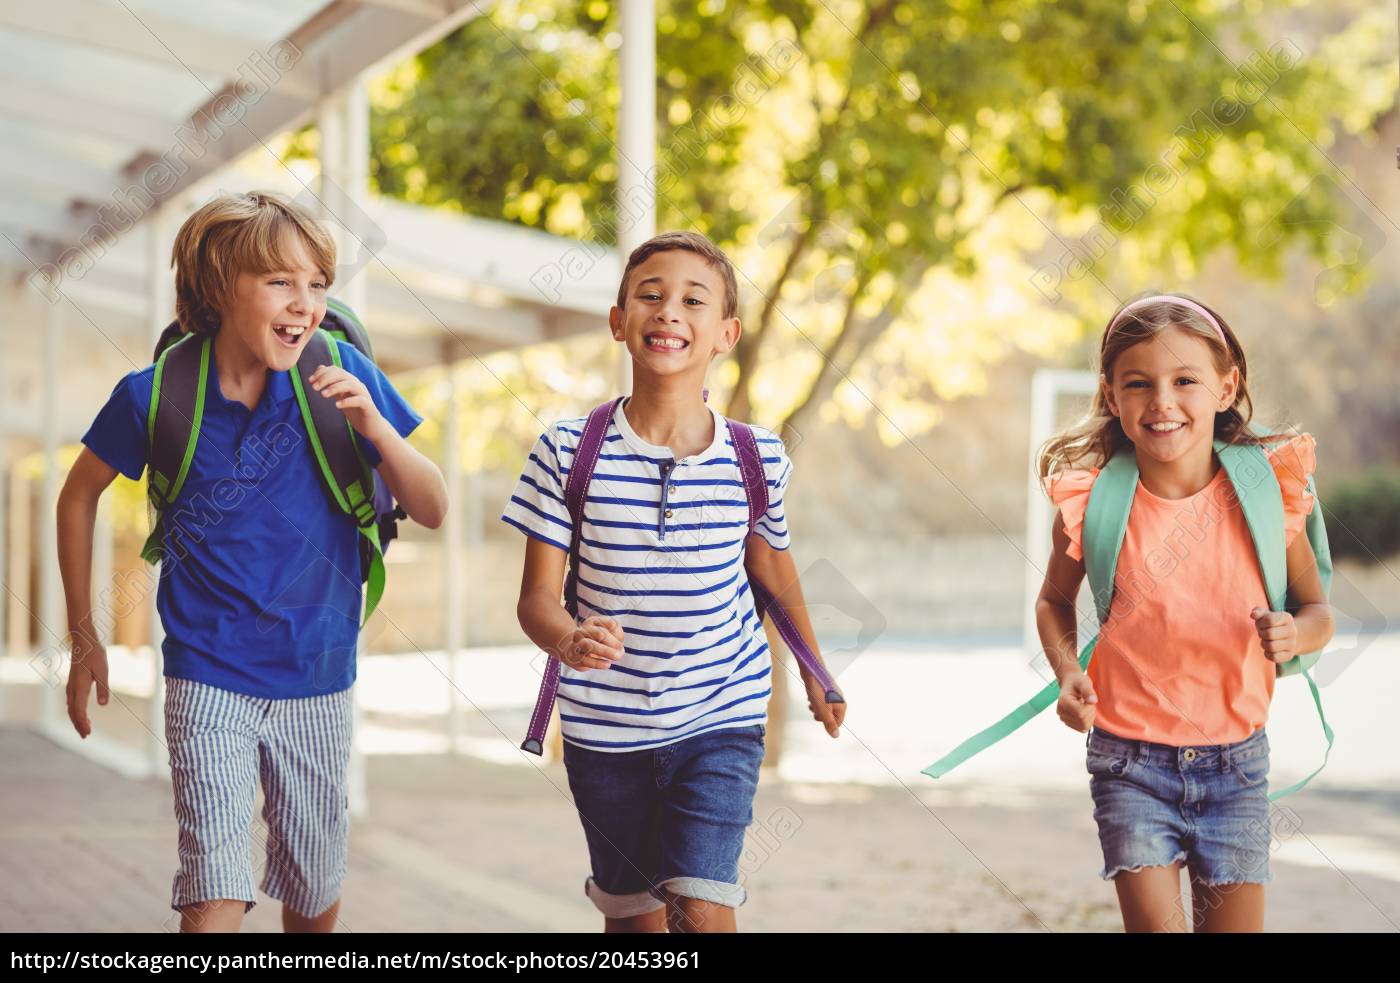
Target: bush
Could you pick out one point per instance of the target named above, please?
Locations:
(1363, 515)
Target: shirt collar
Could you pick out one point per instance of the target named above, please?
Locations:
(633, 440)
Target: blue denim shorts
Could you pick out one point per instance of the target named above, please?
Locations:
(668, 818)
(1206, 806)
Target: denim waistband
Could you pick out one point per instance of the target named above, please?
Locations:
(1191, 756)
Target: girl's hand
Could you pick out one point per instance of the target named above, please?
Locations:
(1277, 632)
(829, 715)
(595, 644)
(1076, 704)
(351, 398)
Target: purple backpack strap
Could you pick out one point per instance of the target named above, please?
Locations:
(590, 445)
(756, 489)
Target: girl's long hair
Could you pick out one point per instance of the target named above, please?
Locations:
(1098, 436)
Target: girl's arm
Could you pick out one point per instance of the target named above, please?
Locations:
(1054, 608)
(77, 514)
(1055, 620)
(1310, 625)
(777, 572)
(595, 644)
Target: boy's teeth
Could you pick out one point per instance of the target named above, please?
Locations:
(668, 342)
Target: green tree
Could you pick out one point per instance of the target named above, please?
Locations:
(1111, 145)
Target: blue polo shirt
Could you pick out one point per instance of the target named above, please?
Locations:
(260, 590)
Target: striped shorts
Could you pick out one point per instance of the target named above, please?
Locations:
(220, 744)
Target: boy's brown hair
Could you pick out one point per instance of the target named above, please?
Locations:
(233, 234)
(691, 242)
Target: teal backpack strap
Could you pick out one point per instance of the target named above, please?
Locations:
(347, 479)
(1261, 500)
(173, 422)
(1105, 524)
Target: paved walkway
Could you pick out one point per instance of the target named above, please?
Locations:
(456, 844)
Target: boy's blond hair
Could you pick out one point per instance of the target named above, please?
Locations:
(233, 234)
(691, 242)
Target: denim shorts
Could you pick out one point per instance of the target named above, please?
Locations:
(668, 818)
(1205, 805)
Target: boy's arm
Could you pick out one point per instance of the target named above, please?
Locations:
(416, 482)
(595, 644)
(77, 515)
(777, 572)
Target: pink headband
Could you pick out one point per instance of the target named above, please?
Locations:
(1170, 299)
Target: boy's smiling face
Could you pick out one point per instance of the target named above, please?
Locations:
(274, 313)
(673, 323)
(1166, 392)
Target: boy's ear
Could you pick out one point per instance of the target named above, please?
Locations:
(615, 323)
(729, 335)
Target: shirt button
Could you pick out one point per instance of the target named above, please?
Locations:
(673, 489)
(669, 513)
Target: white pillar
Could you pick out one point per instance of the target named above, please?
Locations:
(343, 122)
(21, 538)
(636, 144)
(161, 296)
(452, 580)
(52, 623)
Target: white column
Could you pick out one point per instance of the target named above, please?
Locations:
(636, 167)
(17, 572)
(161, 297)
(343, 122)
(454, 611)
(52, 623)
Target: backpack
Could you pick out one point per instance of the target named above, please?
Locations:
(353, 488)
(746, 451)
(1105, 524)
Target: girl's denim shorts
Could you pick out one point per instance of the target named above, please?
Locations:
(1206, 806)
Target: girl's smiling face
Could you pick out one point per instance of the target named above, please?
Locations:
(1166, 392)
(274, 313)
(673, 321)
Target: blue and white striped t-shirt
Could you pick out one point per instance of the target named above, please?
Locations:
(661, 551)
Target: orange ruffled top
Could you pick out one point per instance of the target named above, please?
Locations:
(1179, 661)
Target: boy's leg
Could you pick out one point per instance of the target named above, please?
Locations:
(304, 757)
(211, 736)
(707, 805)
(617, 801)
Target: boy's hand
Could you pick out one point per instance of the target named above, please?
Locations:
(595, 644)
(829, 715)
(351, 398)
(1277, 632)
(89, 665)
(1076, 704)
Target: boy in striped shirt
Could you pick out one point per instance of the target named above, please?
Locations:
(665, 678)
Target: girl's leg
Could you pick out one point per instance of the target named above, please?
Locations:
(1150, 899)
(693, 916)
(1227, 907)
(652, 922)
(223, 915)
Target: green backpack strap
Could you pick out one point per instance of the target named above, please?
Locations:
(346, 477)
(1105, 524)
(1261, 500)
(173, 423)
